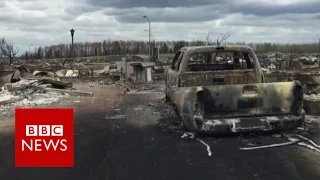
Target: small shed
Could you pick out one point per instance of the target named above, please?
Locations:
(121, 66)
(143, 71)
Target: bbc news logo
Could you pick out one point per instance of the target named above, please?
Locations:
(44, 138)
(39, 144)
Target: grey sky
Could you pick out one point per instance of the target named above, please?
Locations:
(39, 22)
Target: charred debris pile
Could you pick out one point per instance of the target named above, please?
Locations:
(21, 87)
(27, 86)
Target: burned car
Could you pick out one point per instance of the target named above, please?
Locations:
(222, 89)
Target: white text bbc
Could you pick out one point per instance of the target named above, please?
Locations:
(44, 130)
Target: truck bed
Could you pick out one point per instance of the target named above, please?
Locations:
(251, 105)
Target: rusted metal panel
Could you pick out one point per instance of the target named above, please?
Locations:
(312, 105)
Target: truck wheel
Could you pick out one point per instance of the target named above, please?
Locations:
(184, 126)
(167, 99)
(190, 126)
(195, 108)
(176, 110)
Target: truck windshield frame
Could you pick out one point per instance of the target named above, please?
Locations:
(220, 60)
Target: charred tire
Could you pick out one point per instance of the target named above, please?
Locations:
(190, 126)
(167, 99)
(300, 123)
(198, 104)
(195, 108)
(176, 110)
(184, 125)
(178, 115)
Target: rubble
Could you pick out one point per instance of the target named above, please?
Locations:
(67, 73)
(21, 88)
(70, 92)
(115, 117)
(39, 99)
(43, 73)
(278, 60)
(312, 104)
(8, 98)
(140, 108)
(14, 76)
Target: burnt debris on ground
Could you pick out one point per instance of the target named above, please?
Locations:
(20, 87)
(35, 85)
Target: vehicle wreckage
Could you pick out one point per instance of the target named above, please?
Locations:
(222, 89)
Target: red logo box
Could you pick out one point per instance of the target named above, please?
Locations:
(44, 137)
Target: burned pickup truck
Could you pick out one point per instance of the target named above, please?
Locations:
(222, 89)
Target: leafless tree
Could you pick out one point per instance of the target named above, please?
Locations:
(207, 38)
(64, 61)
(223, 37)
(8, 50)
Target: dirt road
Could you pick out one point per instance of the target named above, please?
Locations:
(133, 136)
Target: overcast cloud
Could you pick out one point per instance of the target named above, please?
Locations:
(45, 22)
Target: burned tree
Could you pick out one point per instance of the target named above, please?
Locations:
(207, 38)
(8, 50)
(223, 37)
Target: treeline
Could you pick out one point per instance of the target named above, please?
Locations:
(108, 47)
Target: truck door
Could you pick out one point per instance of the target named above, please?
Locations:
(173, 72)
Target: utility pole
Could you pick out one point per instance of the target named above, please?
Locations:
(276, 57)
(72, 48)
(152, 44)
(149, 34)
(30, 51)
(319, 53)
(319, 47)
(72, 34)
